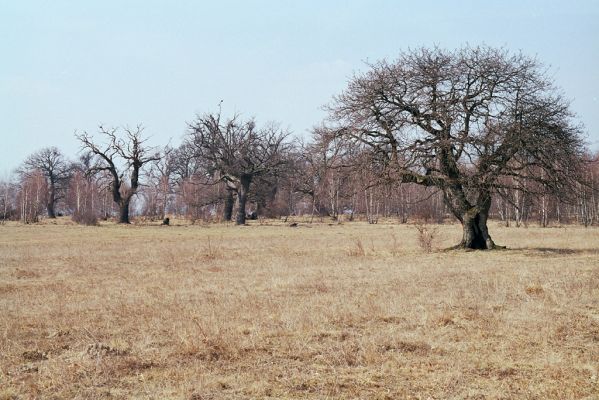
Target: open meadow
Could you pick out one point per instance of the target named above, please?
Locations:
(348, 311)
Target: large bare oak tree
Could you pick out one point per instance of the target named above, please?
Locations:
(237, 152)
(129, 154)
(470, 122)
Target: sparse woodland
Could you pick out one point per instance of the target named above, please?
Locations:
(436, 135)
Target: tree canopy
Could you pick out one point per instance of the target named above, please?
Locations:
(469, 122)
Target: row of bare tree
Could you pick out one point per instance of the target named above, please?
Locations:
(314, 180)
(467, 134)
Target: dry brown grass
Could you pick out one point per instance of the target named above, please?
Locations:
(266, 311)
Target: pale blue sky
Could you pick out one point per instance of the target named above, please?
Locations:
(70, 65)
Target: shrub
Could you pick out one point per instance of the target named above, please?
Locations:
(426, 236)
(358, 249)
(86, 217)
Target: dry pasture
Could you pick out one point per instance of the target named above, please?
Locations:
(351, 311)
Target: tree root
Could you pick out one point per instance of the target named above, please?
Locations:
(460, 246)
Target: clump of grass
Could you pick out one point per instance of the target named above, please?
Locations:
(445, 319)
(211, 251)
(35, 355)
(203, 344)
(535, 289)
(426, 237)
(357, 250)
(8, 394)
(115, 348)
(25, 274)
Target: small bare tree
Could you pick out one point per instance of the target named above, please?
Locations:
(160, 187)
(129, 153)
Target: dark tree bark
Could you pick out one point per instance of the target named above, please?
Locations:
(242, 195)
(51, 202)
(124, 212)
(229, 203)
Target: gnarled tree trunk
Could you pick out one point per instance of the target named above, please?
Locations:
(50, 203)
(474, 223)
(475, 232)
(229, 203)
(124, 211)
(242, 195)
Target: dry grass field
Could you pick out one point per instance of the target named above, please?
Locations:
(351, 311)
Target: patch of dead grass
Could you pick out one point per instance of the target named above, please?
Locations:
(216, 312)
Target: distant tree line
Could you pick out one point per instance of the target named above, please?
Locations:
(316, 181)
(470, 134)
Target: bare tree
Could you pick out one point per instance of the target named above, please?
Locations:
(31, 197)
(8, 202)
(129, 153)
(236, 152)
(185, 162)
(54, 167)
(311, 168)
(160, 188)
(83, 195)
(461, 121)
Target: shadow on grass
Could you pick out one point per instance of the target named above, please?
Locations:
(558, 251)
(531, 251)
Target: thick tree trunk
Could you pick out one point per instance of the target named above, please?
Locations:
(50, 204)
(229, 203)
(242, 195)
(124, 211)
(474, 221)
(475, 233)
(50, 208)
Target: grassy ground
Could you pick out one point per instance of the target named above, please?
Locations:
(321, 312)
